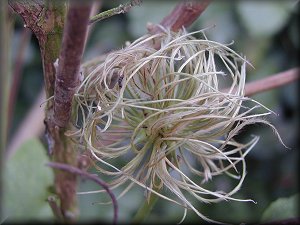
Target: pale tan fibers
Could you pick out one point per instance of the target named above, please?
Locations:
(164, 114)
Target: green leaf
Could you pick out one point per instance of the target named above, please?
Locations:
(282, 208)
(26, 181)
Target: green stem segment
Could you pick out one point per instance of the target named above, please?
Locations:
(114, 11)
(145, 210)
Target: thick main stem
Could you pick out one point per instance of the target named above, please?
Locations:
(67, 78)
(66, 81)
(47, 20)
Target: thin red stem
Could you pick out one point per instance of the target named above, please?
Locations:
(94, 178)
(272, 81)
(183, 15)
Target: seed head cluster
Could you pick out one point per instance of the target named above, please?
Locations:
(170, 116)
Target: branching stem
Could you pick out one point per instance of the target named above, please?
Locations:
(74, 170)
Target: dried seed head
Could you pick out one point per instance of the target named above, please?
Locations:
(170, 114)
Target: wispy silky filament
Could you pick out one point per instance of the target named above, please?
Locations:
(163, 113)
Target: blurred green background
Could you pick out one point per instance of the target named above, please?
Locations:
(266, 32)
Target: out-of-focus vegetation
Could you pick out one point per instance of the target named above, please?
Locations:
(267, 33)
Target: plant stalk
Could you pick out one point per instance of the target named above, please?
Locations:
(145, 210)
(114, 11)
(58, 121)
(47, 21)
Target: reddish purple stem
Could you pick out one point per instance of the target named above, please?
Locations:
(74, 170)
(183, 15)
(67, 78)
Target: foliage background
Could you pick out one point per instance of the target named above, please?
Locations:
(265, 31)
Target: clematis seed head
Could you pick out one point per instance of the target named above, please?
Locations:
(170, 115)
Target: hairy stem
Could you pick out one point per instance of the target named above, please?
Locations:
(114, 11)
